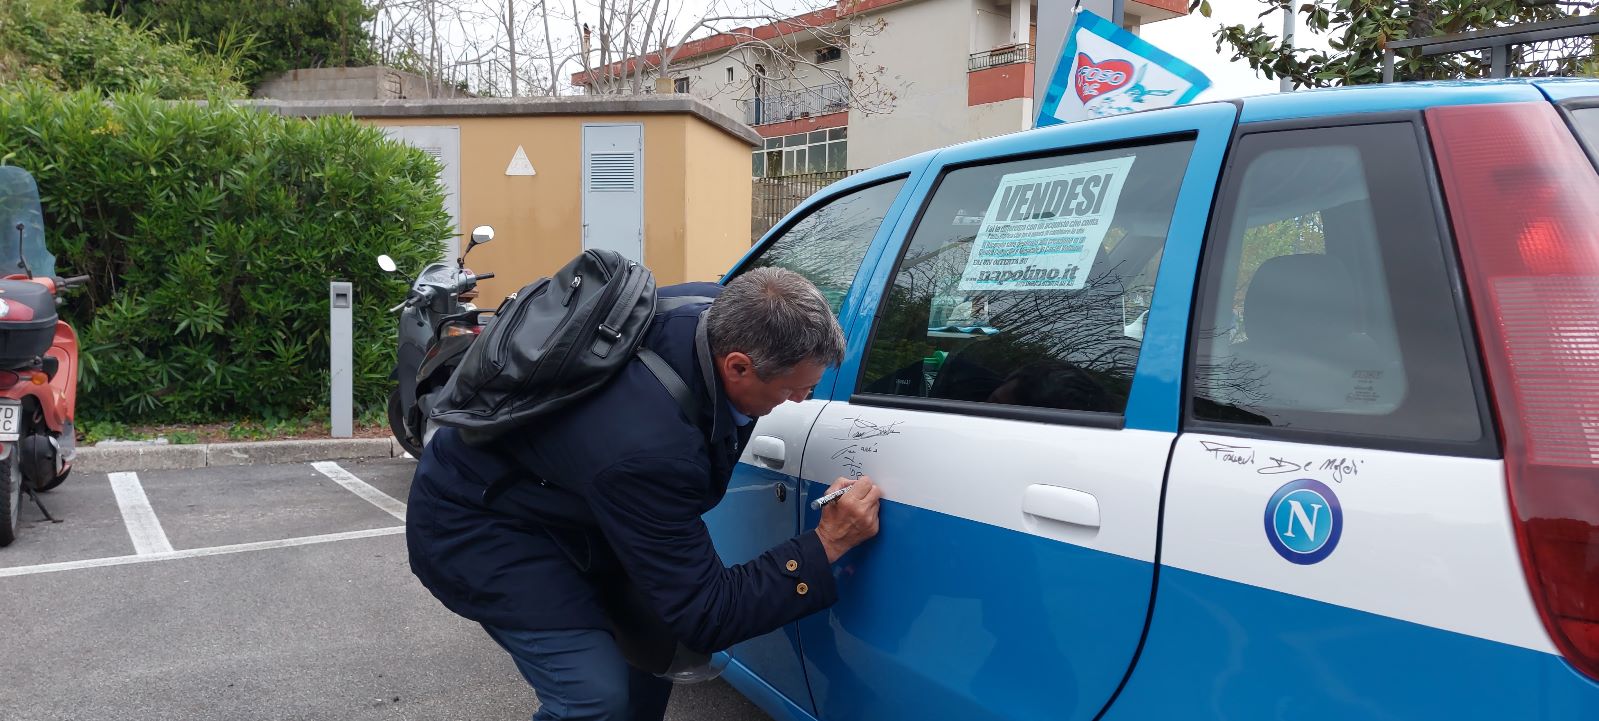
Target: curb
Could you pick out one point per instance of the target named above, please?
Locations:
(95, 459)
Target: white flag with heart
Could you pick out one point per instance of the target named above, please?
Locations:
(1106, 70)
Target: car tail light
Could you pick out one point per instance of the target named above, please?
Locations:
(1525, 205)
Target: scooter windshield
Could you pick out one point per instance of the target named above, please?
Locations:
(19, 209)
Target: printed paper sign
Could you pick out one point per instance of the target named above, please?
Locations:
(1044, 227)
(1106, 70)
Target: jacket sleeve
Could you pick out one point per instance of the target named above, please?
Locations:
(648, 509)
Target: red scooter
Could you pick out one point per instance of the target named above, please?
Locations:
(38, 357)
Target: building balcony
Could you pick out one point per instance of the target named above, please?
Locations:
(793, 105)
(1007, 55)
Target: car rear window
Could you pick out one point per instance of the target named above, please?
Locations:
(1328, 306)
(1586, 121)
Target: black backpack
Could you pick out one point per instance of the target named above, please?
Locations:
(553, 342)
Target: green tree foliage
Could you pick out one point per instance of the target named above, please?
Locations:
(1359, 30)
(211, 232)
(53, 42)
(266, 37)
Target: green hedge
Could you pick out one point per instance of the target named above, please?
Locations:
(54, 42)
(211, 232)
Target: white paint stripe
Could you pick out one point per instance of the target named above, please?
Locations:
(143, 527)
(361, 488)
(200, 552)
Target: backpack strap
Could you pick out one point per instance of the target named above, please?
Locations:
(663, 371)
(674, 383)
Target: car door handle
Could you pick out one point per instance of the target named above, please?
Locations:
(1066, 505)
(769, 450)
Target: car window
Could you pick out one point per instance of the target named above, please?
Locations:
(1328, 305)
(1026, 283)
(1586, 122)
(828, 244)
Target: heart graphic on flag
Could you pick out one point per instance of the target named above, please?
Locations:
(1095, 79)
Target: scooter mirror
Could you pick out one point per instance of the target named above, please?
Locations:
(482, 234)
(387, 263)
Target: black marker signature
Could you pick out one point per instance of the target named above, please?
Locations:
(861, 428)
(1281, 466)
(1342, 468)
(1241, 455)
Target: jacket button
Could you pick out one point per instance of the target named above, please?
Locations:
(802, 589)
(792, 565)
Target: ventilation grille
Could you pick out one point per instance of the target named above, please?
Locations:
(613, 172)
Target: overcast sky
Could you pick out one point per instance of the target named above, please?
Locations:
(1190, 38)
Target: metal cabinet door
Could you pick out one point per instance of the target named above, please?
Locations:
(443, 142)
(613, 188)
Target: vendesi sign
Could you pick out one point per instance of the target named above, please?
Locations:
(1043, 228)
(1106, 70)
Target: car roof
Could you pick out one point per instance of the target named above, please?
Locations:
(1297, 105)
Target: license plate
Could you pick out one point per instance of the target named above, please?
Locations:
(10, 419)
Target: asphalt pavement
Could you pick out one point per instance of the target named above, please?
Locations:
(257, 592)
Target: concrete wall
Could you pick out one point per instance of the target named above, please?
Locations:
(718, 203)
(367, 83)
(697, 193)
(990, 26)
(697, 185)
(924, 45)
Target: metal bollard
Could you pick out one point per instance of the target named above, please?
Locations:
(340, 344)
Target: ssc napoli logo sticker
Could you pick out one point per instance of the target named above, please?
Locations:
(1304, 521)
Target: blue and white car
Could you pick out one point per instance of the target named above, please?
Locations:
(1279, 408)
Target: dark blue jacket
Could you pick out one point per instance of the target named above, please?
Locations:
(608, 490)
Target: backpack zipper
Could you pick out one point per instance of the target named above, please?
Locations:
(571, 290)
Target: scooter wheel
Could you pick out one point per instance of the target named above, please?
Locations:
(10, 498)
(397, 425)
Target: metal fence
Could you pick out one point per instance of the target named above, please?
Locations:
(1557, 47)
(999, 56)
(779, 107)
(775, 197)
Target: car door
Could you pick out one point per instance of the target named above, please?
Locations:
(827, 242)
(1337, 539)
(1016, 399)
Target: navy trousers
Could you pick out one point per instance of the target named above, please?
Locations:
(580, 675)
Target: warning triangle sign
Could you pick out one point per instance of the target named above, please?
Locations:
(520, 165)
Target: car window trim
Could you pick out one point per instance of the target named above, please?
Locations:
(1034, 414)
(1228, 189)
(1094, 419)
(810, 208)
(1568, 112)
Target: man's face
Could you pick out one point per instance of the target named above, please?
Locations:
(755, 397)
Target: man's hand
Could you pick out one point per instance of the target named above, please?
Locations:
(850, 520)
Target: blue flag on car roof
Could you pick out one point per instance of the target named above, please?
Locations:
(1107, 70)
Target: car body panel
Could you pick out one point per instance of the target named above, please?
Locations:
(1176, 605)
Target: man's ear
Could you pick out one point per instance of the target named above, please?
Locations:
(736, 365)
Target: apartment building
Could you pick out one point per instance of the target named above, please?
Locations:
(875, 80)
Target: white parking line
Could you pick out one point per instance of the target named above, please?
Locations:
(143, 527)
(361, 488)
(198, 552)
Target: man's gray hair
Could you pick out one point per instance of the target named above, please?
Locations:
(778, 319)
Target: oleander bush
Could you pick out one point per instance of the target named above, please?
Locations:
(211, 231)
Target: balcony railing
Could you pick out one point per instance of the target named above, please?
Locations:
(780, 107)
(1007, 55)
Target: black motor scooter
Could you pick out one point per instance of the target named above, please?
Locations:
(437, 324)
